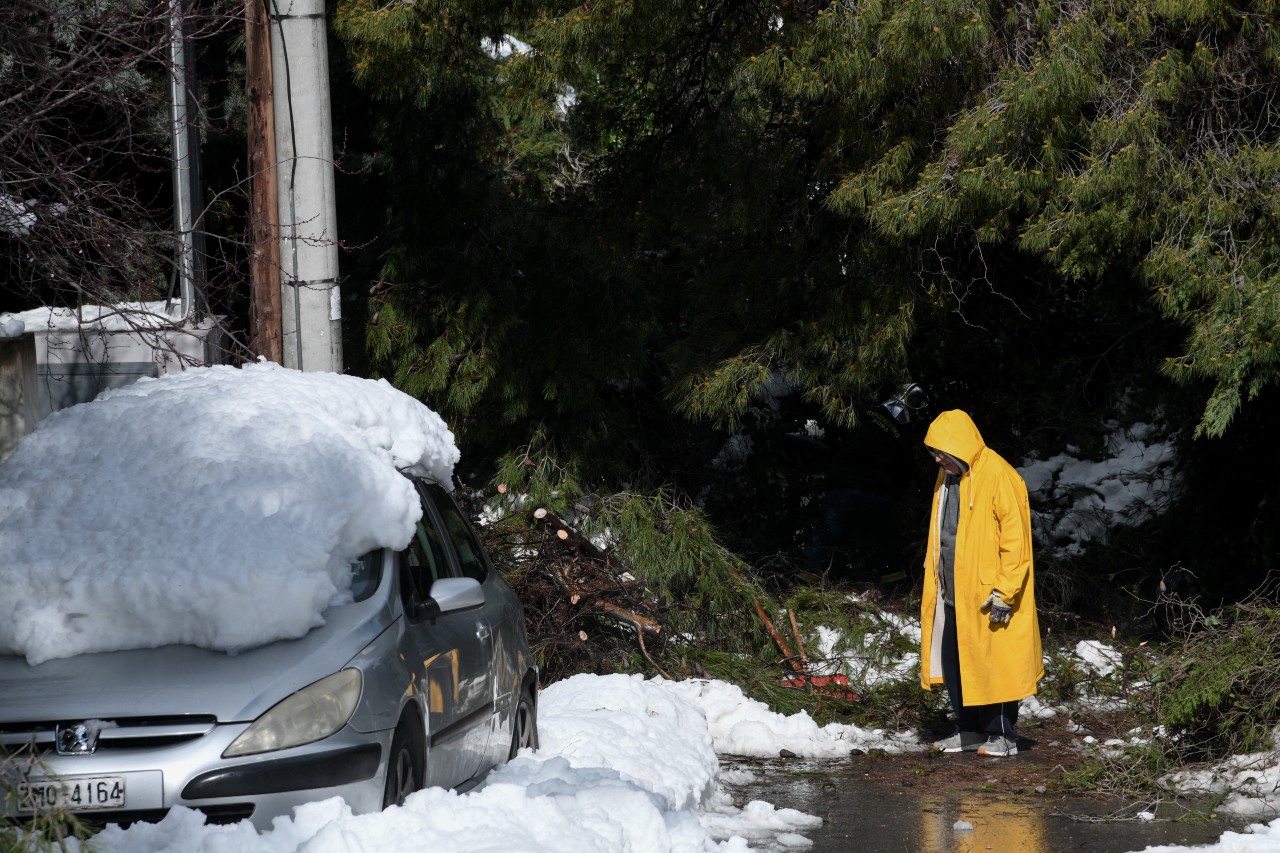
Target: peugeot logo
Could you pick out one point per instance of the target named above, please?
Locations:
(76, 739)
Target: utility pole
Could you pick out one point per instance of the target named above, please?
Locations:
(311, 308)
(188, 196)
(264, 216)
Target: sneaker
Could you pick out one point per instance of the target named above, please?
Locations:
(959, 742)
(999, 746)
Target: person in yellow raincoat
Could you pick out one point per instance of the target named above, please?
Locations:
(979, 632)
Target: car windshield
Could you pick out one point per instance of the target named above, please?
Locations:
(365, 575)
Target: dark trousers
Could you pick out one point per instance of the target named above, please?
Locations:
(997, 719)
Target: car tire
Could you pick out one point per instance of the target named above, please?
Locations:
(404, 766)
(524, 725)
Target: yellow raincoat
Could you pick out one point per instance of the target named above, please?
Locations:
(998, 663)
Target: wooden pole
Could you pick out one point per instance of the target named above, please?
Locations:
(264, 217)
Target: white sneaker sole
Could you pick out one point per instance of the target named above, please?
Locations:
(964, 747)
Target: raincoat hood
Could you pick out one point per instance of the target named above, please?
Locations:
(954, 433)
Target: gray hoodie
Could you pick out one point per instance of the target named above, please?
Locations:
(948, 522)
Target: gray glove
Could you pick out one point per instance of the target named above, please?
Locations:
(1001, 613)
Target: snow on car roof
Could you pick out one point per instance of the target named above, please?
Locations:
(218, 507)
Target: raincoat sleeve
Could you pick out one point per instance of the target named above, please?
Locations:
(1013, 520)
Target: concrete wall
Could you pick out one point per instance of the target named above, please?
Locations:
(75, 365)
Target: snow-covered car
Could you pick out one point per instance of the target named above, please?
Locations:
(162, 677)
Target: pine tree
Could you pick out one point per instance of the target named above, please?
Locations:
(646, 211)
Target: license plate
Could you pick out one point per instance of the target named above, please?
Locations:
(71, 793)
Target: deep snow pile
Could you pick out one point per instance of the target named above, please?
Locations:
(218, 507)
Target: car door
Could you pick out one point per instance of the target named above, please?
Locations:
(445, 649)
(473, 562)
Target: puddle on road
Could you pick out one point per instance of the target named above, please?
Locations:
(863, 815)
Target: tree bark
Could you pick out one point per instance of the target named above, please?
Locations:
(264, 230)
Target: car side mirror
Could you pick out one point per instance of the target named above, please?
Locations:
(453, 594)
(448, 595)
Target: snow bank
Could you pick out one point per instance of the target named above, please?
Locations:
(743, 726)
(625, 764)
(1251, 783)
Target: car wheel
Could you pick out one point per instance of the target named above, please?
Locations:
(524, 728)
(404, 768)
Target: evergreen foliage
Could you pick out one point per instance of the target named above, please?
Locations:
(488, 301)
(1118, 142)
(699, 201)
(1221, 690)
(618, 229)
(699, 591)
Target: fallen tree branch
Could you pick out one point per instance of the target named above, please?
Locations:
(642, 624)
(645, 652)
(773, 632)
(566, 533)
(578, 595)
(777, 638)
(795, 629)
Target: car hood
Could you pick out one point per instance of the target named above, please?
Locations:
(181, 680)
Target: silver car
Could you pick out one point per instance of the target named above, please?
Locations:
(426, 678)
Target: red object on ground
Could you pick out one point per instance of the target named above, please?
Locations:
(824, 685)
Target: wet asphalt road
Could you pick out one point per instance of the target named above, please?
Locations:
(864, 815)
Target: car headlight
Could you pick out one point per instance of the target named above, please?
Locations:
(313, 713)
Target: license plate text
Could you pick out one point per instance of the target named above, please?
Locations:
(72, 793)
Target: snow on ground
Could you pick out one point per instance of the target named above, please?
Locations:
(870, 661)
(1251, 782)
(1098, 656)
(1256, 838)
(121, 520)
(625, 764)
(742, 726)
(17, 218)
